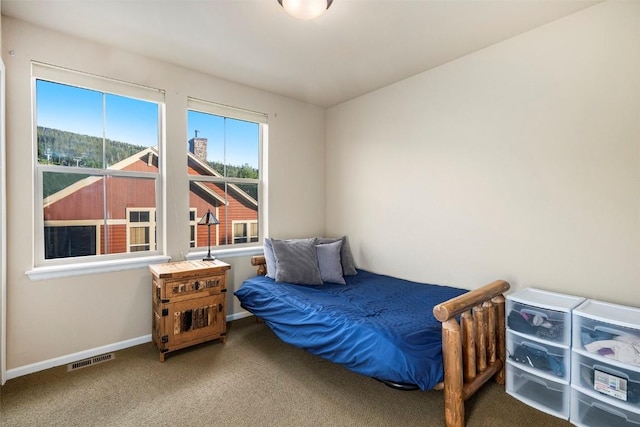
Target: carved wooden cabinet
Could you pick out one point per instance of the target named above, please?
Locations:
(189, 303)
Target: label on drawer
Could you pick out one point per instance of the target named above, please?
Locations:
(610, 385)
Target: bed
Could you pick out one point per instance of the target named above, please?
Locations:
(406, 334)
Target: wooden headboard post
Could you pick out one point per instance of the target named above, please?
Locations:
(260, 262)
(474, 349)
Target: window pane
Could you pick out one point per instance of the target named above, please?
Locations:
(82, 203)
(73, 214)
(241, 149)
(231, 204)
(131, 126)
(206, 143)
(228, 146)
(69, 241)
(253, 232)
(240, 232)
(139, 239)
(69, 121)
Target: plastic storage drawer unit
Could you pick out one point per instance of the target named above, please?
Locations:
(544, 394)
(589, 411)
(542, 314)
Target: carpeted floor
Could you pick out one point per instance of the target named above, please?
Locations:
(252, 380)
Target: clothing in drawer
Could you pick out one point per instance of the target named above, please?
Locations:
(610, 341)
(546, 358)
(535, 321)
(608, 330)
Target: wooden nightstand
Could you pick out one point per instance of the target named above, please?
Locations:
(189, 303)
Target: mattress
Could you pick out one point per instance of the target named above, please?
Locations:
(376, 325)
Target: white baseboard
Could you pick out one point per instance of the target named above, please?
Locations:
(63, 360)
(74, 357)
(238, 316)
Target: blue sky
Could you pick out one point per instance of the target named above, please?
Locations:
(134, 121)
(239, 137)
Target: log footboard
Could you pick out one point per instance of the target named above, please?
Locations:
(473, 347)
(473, 343)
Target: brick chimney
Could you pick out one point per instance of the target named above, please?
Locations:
(198, 147)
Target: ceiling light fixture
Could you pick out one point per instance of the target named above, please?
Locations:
(305, 9)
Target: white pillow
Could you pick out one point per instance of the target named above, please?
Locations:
(270, 258)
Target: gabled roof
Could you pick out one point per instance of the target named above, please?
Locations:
(198, 165)
(77, 186)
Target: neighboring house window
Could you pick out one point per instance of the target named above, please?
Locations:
(245, 231)
(141, 229)
(224, 168)
(69, 241)
(193, 224)
(97, 175)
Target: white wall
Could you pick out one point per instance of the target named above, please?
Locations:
(520, 161)
(51, 319)
(3, 284)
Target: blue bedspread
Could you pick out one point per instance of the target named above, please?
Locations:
(376, 325)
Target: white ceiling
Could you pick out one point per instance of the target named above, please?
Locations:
(356, 47)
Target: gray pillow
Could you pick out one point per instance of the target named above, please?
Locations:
(296, 261)
(346, 259)
(270, 258)
(329, 262)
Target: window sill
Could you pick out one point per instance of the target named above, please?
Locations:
(82, 269)
(227, 253)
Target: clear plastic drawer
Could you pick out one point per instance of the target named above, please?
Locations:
(549, 325)
(588, 411)
(546, 395)
(542, 314)
(608, 331)
(538, 356)
(614, 384)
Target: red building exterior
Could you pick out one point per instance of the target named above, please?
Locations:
(78, 214)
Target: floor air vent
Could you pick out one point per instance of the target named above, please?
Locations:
(90, 361)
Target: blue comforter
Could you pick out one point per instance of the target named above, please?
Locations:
(376, 325)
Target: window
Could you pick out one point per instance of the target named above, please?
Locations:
(97, 174)
(69, 241)
(192, 228)
(245, 231)
(224, 152)
(141, 229)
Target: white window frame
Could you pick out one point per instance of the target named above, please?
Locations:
(261, 119)
(59, 267)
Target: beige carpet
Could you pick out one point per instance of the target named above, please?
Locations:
(252, 380)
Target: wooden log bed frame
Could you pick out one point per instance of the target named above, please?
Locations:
(473, 343)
